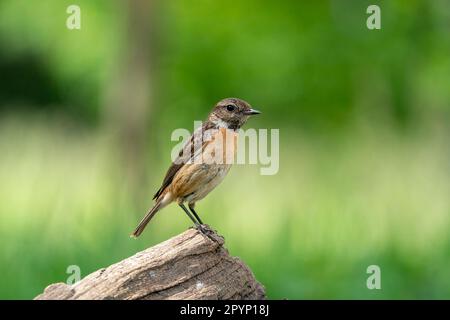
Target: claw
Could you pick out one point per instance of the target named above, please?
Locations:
(201, 228)
(206, 230)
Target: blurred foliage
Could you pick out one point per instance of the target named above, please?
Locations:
(364, 125)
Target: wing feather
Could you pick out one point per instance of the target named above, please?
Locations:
(189, 151)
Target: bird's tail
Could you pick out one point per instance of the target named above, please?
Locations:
(160, 203)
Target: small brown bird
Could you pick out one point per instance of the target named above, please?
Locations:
(191, 176)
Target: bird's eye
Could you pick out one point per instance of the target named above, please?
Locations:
(230, 107)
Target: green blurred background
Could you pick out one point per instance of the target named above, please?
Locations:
(86, 117)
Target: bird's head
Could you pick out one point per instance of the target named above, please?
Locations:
(231, 113)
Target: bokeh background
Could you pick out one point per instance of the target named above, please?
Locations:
(86, 117)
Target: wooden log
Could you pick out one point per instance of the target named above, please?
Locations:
(188, 266)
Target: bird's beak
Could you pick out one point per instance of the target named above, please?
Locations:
(251, 112)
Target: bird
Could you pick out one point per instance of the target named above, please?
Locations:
(193, 174)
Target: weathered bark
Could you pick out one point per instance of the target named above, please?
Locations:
(188, 266)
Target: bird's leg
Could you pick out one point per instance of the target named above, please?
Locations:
(197, 224)
(205, 230)
(191, 207)
(188, 213)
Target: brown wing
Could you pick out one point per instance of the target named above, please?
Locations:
(173, 169)
(188, 152)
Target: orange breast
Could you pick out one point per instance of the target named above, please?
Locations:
(198, 178)
(221, 149)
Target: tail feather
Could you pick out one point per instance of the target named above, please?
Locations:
(141, 226)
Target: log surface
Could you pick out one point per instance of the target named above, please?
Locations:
(188, 266)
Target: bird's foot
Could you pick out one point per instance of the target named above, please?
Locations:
(203, 228)
(207, 231)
